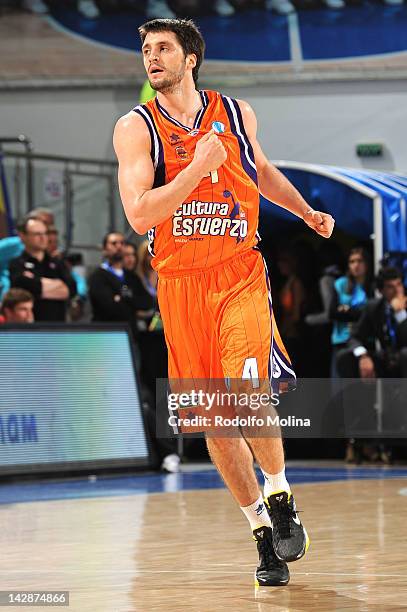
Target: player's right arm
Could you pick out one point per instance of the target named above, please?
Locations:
(144, 206)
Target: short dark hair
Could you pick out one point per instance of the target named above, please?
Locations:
(187, 33)
(106, 237)
(131, 244)
(359, 250)
(14, 297)
(388, 273)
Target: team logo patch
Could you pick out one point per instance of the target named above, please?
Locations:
(181, 152)
(218, 127)
(175, 139)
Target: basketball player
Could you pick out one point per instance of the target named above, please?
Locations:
(190, 173)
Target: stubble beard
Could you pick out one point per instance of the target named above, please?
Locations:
(170, 84)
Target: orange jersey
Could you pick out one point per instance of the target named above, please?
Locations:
(219, 219)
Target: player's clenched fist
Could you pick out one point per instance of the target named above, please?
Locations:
(209, 153)
(320, 222)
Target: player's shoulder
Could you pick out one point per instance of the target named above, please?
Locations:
(131, 121)
(245, 108)
(131, 126)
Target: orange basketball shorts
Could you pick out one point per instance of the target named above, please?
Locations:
(219, 325)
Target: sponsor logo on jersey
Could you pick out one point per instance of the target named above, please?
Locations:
(181, 152)
(189, 221)
(194, 132)
(175, 139)
(218, 127)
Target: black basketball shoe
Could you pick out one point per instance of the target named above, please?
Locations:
(270, 571)
(290, 540)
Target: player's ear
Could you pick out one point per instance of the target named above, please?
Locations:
(191, 60)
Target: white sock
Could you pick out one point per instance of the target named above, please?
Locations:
(256, 514)
(273, 483)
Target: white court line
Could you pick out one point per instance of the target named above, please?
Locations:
(295, 42)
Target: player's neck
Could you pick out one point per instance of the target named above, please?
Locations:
(37, 254)
(182, 104)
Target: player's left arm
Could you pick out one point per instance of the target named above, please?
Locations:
(274, 186)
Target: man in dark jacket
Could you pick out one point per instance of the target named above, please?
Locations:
(46, 278)
(115, 293)
(378, 345)
(377, 349)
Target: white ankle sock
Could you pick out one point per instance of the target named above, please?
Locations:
(275, 482)
(256, 514)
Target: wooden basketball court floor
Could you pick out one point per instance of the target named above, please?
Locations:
(178, 542)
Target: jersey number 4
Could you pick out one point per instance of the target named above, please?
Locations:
(251, 371)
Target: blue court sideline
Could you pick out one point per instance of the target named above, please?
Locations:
(160, 483)
(322, 34)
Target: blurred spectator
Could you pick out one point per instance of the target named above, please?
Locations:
(130, 263)
(153, 349)
(330, 257)
(159, 9)
(35, 6)
(351, 293)
(384, 323)
(377, 348)
(88, 9)
(115, 293)
(130, 257)
(146, 273)
(77, 303)
(118, 294)
(17, 307)
(282, 7)
(12, 247)
(46, 278)
(291, 300)
(319, 324)
(74, 263)
(53, 246)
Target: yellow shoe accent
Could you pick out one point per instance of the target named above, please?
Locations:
(307, 541)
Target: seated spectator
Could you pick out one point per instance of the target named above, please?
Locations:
(116, 294)
(291, 300)
(130, 257)
(378, 347)
(12, 247)
(146, 273)
(53, 246)
(17, 307)
(77, 304)
(153, 349)
(130, 263)
(330, 257)
(74, 264)
(319, 330)
(383, 322)
(46, 278)
(86, 8)
(350, 296)
(35, 6)
(159, 9)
